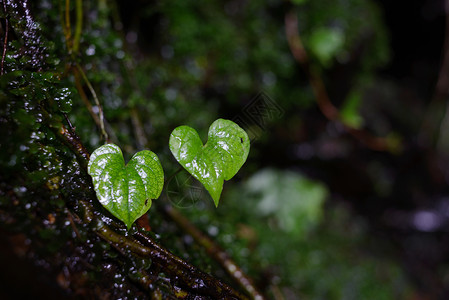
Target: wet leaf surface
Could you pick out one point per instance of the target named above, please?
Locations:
(219, 159)
(126, 190)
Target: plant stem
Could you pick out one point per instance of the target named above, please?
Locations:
(322, 98)
(67, 27)
(141, 139)
(5, 40)
(78, 27)
(97, 102)
(73, 49)
(216, 252)
(180, 272)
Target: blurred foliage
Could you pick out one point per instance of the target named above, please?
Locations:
(277, 226)
(325, 43)
(350, 110)
(292, 201)
(351, 26)
(157, 65)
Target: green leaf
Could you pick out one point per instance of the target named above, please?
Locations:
(350, 110)
(325, 43)
(219, 159)
(126, 190)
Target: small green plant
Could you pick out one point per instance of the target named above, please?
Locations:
(219, 159)
(127, 191)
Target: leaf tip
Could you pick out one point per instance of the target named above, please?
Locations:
(216, 198)
(128, 226)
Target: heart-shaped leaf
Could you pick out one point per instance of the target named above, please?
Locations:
(219, 159)
(125, 191)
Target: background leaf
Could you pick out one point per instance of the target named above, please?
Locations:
(350, 110)
(325, 43)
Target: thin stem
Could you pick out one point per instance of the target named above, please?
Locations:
(78, 26)
(319, 89)
(73, 49)
(97, 102)
(67, 26)
(74, 228)
(5, 40)
(216, 252)
(142, 140)
(85, 99)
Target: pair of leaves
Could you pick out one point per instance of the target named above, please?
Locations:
(127, 190)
